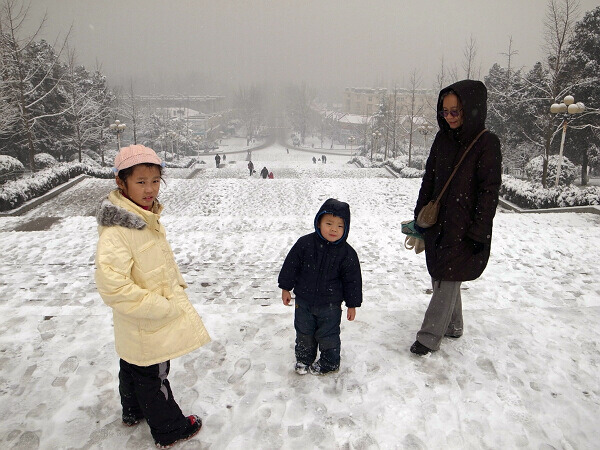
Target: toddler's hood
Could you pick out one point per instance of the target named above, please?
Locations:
(339, 209)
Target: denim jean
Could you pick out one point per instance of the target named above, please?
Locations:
(318, 327)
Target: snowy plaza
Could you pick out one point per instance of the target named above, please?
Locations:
(524, 375)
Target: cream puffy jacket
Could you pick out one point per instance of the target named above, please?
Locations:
(137, 276)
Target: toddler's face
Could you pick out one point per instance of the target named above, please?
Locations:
(142, 185)
(331, 227)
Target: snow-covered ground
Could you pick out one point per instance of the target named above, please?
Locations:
(524, 375)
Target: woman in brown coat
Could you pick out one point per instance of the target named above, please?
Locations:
(457, 247)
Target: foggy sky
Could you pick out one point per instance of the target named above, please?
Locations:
(357, 43)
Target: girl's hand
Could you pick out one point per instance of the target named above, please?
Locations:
(351, 313)
(286, 297)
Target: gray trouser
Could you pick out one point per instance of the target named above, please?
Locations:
(443, 315)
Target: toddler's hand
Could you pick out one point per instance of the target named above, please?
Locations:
(351, 313)
(286, 296)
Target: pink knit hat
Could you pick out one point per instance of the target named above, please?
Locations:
(135, 154)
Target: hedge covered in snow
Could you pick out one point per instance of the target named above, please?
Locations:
(44, 160)
(15, 193)
(9, 165)
(568, 171)
(527, 194)
(397, 165)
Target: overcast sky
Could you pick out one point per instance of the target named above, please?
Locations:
(357, 43)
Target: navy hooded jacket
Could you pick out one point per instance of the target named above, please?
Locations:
(322, 272)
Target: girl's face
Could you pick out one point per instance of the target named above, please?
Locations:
(452, 111)
(331, 227)
(142, 185)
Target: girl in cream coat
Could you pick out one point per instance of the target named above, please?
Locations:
(137, 276)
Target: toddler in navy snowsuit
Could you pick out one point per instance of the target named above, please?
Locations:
(324, 271)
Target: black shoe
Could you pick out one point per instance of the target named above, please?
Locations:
(453, 336)
(316, 369)
(194, 425)
(419, 349)
(131, 420)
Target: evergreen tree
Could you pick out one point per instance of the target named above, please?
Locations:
(583, 58)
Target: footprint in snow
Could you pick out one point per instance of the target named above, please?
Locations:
(241, 367)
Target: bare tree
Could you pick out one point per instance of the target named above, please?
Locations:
(300, 99)
(249, 103)
(132, 111)
(509, 54)
(414, 110)
(470, 53)
(86, 112)
(559, 26)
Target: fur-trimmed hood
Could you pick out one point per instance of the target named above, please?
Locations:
(117, 210)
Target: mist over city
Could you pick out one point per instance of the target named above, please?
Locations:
(197, 47)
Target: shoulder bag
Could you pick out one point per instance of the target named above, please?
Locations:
(428, 215)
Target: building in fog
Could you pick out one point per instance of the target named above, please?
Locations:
(205, 115)
(366, 101)
(363, 101)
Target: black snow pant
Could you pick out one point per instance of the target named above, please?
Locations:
(146, 393)
(318, 327)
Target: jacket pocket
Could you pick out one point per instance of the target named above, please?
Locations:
(149, 257)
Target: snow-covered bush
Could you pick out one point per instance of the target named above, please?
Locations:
(10, 165)
(109, 157)
(44, 160)
(568, 172)
(418, 161)
(85, 159)
(93, 155)
(526, 194)
(181, 163)
(362, 161)
(399, 165)
(15, 193)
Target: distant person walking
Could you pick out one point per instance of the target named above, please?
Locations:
(323, 159)
(251, 167)
(314, 160)
(264, 173)
(271, 176)
(217, 160)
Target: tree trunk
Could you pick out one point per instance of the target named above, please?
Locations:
(547, 153)
(584, 167)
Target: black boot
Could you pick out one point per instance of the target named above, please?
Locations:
(419, 349)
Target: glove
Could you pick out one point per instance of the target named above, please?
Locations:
(475, 246)
(421, 230)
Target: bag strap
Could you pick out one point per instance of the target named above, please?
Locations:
(439, 197)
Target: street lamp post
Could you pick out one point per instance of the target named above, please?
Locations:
(118, 128)
(376, 136)
(351, 139)
(172, 137)
(566, 108)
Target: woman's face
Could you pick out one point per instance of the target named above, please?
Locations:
(451, 107)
